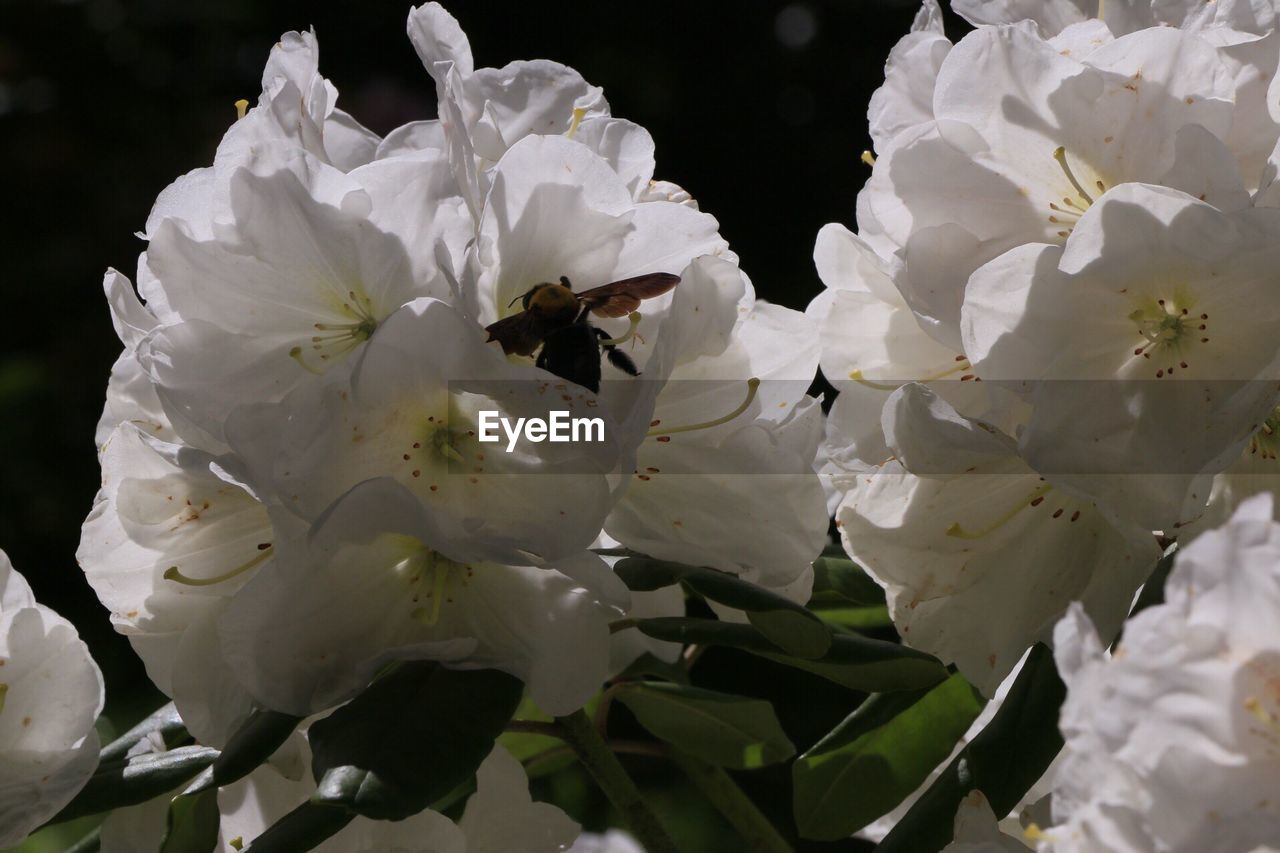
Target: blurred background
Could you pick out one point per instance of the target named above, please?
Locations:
(757, 108)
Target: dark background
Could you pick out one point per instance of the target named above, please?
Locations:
(757, 108)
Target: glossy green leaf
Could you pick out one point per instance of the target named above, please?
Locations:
(164, 721)
(252, 744)
(304, 828)
(1004, 760)
(192, 824)
(726, 730)
(880, 753)
(859, 663)
(127, 783)
(788, 625)
(410, 738)
(838, 579)
(856, 618)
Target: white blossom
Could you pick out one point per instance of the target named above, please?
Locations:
(50, 697)
(1172, 739)
(978, 554)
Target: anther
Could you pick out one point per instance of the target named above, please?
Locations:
(1061, 156)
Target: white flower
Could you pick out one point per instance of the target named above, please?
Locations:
(978, 554)
(298, 281)
(910, 75)
(1025, 139)
(613, 841)
(1161, 304)
(408, 409)
(131, 395)
(365, 586)
(170, 539)
(50, 697)
(486, 111)
(737, 493)
(1173, 742)
(1226, 20)
(977, 831)
(298, 107)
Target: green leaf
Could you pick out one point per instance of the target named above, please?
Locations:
(192, 825)
(840, 580)
(1003, 761)
(164, 720)
(410, 738)
(726, 730)
(644, 574)
(253, 743)
(304, 828)
(856, 618)
(859, 663)
(127, 783)
(880, 753)
(788, 625)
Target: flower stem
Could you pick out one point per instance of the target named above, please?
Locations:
(754, 828)
(605, 768)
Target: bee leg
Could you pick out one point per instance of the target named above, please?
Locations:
(617, 357)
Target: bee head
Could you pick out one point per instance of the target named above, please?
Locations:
(549, 298)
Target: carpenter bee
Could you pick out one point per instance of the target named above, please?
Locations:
(555, 319)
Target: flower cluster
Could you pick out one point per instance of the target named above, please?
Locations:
(50, 697)
(1053, 330)
(294, 492)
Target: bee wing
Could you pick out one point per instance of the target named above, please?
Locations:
(620, 298)
(520, 333)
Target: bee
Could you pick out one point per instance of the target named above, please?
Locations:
(556, 319)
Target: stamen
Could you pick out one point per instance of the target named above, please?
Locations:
(1061, 156)
(959, 532)
(856, 376)
(1261, 714)
(578, 113)
(429, 618)
(242, 107)
(4, 691)
(752, 384)
(962, 364)
(174, 574)
(868, 158)
(634, 317)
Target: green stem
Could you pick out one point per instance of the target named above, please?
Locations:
(718, 787)
(604, 767)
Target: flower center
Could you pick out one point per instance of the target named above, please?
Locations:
(433, 580)
(1073, 205)
(334, 340)
(1170, 332)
